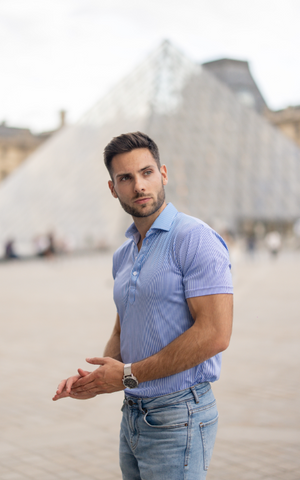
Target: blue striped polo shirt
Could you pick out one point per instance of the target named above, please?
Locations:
(181, 257)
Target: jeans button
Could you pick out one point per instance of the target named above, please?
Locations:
(130, 402)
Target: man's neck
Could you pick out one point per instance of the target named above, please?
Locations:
(143, 224)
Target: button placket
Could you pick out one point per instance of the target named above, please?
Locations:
(134, 277)
(138, 257)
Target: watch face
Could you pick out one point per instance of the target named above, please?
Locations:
(130, 382)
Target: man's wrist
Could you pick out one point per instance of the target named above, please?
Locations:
(129, 379)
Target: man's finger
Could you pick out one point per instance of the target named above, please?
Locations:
(84, 380)
(83, 373)
(83, 396)
(69, 384)
(61, 386)
(85, 388)
(70, 381)
(64, 394)
(96, 360)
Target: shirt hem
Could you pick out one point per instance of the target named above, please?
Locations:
(208, 291)
(128, 392)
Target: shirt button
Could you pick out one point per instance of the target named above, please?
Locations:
(134, 273)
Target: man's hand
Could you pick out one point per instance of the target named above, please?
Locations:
(64, 387)
(107, 378)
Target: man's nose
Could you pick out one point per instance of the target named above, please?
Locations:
(139, 185)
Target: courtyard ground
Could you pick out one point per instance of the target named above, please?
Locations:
(55, 313)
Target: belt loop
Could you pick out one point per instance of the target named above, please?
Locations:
(140, 405)
(195, 394)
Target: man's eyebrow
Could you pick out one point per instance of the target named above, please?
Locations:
(145, 168)
(128, 173)
(122, 174)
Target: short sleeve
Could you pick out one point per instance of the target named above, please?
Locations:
(203, 258)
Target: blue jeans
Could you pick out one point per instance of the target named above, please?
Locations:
(169, 437)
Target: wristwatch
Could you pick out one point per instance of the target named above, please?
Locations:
(129, 380)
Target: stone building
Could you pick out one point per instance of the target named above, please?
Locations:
(237, 76)
(288, 120)
(17, 143)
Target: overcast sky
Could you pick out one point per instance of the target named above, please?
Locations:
(65, 54)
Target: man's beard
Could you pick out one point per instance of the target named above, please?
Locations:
(134, 212)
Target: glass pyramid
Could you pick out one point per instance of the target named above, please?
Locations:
(225, 161)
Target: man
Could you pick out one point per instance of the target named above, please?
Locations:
(173, 294)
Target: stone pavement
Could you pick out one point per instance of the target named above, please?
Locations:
(55, 313)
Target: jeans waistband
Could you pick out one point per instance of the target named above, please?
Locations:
(191, 393)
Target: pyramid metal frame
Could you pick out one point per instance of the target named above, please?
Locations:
(225, 161)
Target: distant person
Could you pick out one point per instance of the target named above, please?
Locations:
(44, 245)
(251, 243)
(296, 229)
(9, 250)
(51, 250)
(173, 293)
(273, 242)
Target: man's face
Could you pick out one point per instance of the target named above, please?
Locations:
(138, 183)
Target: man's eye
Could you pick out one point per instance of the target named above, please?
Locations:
(148, 172)
(124, 178)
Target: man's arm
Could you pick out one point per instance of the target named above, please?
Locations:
(209, 335)
(112, 348)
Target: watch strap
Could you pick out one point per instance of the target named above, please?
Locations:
(127, 370)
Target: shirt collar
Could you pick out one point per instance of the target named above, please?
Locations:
(163, 222)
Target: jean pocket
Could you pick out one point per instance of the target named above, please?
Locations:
(208, 433)
(167, 417)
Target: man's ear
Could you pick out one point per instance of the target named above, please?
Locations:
(112, 188)
(164, 174)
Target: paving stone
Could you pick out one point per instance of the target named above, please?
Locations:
(3, 470)
(54, 315)
(14, 476)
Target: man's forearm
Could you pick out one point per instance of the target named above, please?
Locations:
(209, 335)
(185, 352)
(112, 348)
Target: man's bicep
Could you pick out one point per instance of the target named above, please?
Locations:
(214, 313)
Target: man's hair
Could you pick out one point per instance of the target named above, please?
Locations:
(126, 143)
